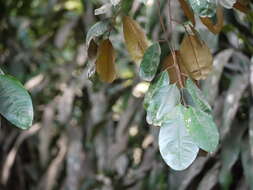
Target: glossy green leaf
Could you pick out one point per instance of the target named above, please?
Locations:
(15, 102)
(163, 101)
(175, 144)
(197, 97)
(203, 8)
(202, 129)
(150, 62)
(96, 30)
(160, 81)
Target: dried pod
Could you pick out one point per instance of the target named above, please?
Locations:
(105, 63)
(176, 70)
(135, 39)
(196, 57)
(187, 11)
(214, 28)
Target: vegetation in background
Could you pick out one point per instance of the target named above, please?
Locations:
(88, 134)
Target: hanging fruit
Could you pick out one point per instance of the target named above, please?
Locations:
(105, 63)
(135, 39)
(196, 57)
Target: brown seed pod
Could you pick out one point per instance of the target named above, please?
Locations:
(175, 68)
(196, 57)
(214, 28)
(105, 63)
(135, 39)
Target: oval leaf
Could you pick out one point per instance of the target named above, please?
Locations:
(135, 39)
(196, 57)
(15, 102)
(96, 30)
(105, 65)
(163, 101)
(197, 97)
(202, 129)
(176, 146)
(160, 81)
(150, 62)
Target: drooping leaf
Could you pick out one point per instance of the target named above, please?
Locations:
(96, 30)
(150, 62)
(163, 101)
(187, 11)
(15, 102)
(203, 8)
(197, 97)
(105, 65)
(135, 39)
(214, 27)
(202, 129)
(175, 144)
(170, 64)
(159, 82)
(196, 57)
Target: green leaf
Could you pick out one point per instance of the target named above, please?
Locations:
(202, 129)
(175, 144)
(197, 98)
(97, 29)
(15, 102)
(159, 82)
(203, 8)
(163, 101)
(150, 62)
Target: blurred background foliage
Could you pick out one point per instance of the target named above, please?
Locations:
(94, 136)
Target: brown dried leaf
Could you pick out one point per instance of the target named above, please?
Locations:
(214, 28)
(105, 66)
(170, 64)
(187, 11)
(196, 57)
(92, 50)
(135, 38)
